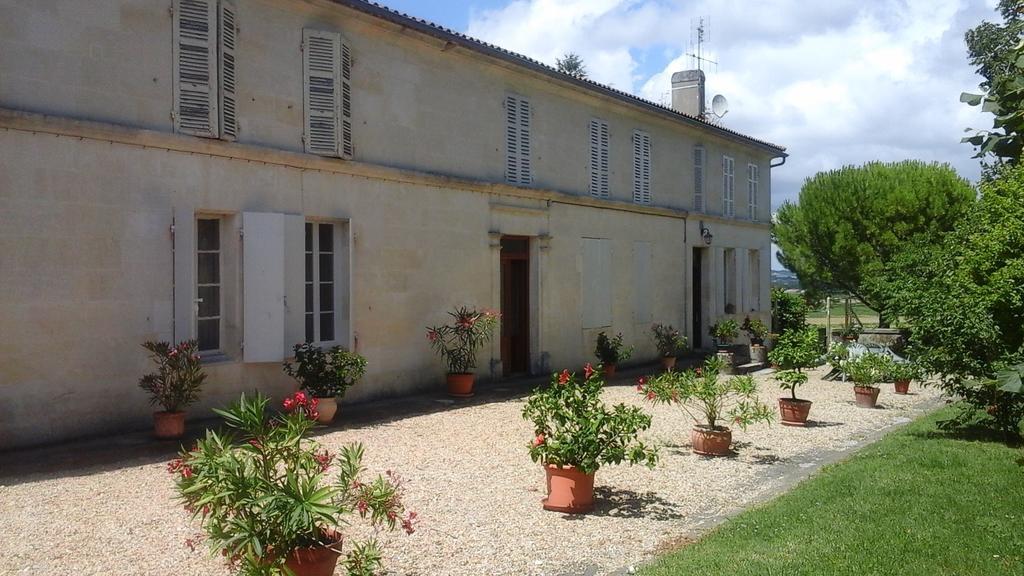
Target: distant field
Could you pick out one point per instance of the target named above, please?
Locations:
(867, 316)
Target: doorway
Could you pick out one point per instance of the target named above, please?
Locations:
(697, 297)
(515, 305)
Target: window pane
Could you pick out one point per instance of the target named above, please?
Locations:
(210, 305)
(309, 237)
(309, 297)
(515, 245)
(208, 234)
(326, 297)
(310, 336)
(208, 268)
(326, 238)
(327, 267)
(209, 334)
(309, 267)
(326, 327)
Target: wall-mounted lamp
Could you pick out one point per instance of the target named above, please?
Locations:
(705, 233)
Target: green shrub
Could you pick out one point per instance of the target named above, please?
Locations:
(789, 311)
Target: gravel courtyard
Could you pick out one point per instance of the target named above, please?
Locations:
(473, 485)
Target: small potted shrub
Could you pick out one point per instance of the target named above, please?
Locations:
(611, 351)
(576, 434)
(174, 386)
(457, 344)
(269, 502)
(757, 332)
(669, 342)
(866, 371)
(796, 351)
(710, 401)
(901, 374)
(850, 333)
(724, 332)
(325, 375)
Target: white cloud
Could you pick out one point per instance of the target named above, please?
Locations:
(842, 82)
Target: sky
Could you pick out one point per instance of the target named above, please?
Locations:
(837, 83)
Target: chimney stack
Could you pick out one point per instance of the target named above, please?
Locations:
(688, 92)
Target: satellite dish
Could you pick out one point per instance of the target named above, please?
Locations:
(719, 105)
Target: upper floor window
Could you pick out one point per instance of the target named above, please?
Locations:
(699, 160)
(327, 93)
(728, 186)
(518, 162)
(752, 180)
(641, 167)
(599, 158)
(205, 36)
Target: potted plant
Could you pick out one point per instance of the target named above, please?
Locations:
(797, 350)
(709, 400)
(174, 386)
(866, 371)
(611, 351)
(757, 332)
(269, 502)
(724, 332)
(669, 342)
(575, 434)
(850, 332)
(325, 375)
(901, 373)
(457, 344)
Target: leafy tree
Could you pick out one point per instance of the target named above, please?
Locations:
(572, 64)
(789, 311)
(995, 51)
(850, 222)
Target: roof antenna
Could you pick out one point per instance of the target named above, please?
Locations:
(702, 33)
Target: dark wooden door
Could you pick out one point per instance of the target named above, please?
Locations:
(515, 305)
(697, 298)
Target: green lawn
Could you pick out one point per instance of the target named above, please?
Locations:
(868, 316)
(916, 503)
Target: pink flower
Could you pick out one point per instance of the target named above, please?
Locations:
(538, 440)
(408, 523)
(362, 506)
(300, 398)
(186, 471)
(432, 335)
(641, 381)
(564, 377)
(174, 465)
(588, 370)
(651, 395)
(289, 404)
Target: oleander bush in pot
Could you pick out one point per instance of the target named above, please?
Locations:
(273, 502)
(174, 386)
(724, 332)
(457, 344)
(710, 401)
(325, 375)
(757, 331)
(670, 343)
(611, 351)
(576, 434)
(901, 374)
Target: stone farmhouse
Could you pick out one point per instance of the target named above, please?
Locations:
(257, 173)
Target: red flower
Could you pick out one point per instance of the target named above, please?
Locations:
(641, 381)
(408, 522)
(698, 371)
(538, 440)
(313, 403)
(588, 370)
(362, 507)
(651, 395)
(174, 465)
(564, 377)
(300, 398)
(186, 471)
(324, 459)
(639, 387)
(289, 404)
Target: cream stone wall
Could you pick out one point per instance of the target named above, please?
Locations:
(87, 271)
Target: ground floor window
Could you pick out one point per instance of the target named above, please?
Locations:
(208, 284)
(320, 282)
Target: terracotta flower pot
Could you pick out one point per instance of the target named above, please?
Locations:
(460, 385)
(668, 362)
(326, 409)
(608, 370)
(710, 442)
(867, 396)
(315, 560)
(794, 412)
(168, 425)
(569, 490)
(902, 386)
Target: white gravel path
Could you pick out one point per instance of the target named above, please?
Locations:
(472, 483)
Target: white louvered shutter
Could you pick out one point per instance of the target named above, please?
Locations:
(347, 148)
(698, 178)
(321, 72)
(599, 159)
(518, 161)
(525, 152)
(641, 167)
(752, 181)
(228, 39)
(195, 67)
(728, 186)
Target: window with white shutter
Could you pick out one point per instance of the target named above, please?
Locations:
(641, 167)
(228, 36)
(599, 158)
(699, 160)
(518, 161)
(321, 72)
(728, 186)
(195, 67)
(752, 181)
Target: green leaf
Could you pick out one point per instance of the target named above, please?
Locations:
(971, 99)
(1010, 380)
